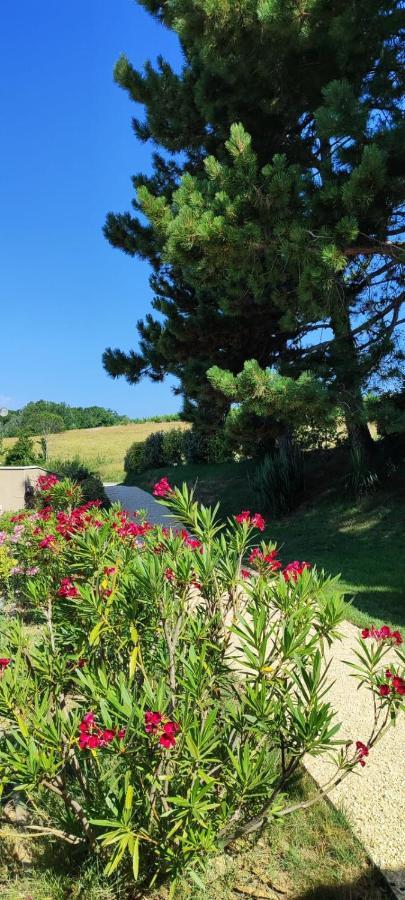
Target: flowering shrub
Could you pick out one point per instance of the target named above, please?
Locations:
(176, 684)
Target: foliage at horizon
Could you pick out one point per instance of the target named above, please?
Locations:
(47, 417)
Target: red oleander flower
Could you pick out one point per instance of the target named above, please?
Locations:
(45, 513)
(294, 569)
(255, 519)
(121, 733)
(167, 740)
(47, 541)
(67, 588)
(171, 728)
(166, 731)
(190, 542)
(384, 690)
(46, 482)
(91, 736)
(109, 570)
(258, 521)
(4, 662)
(362, 752)
(388, 673)
(243, 516)
(169, 575)
(398, 685)
(152, 721)
(162, 488)
(245, 573)
(382, 634)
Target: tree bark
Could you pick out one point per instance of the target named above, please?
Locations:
(348, 378)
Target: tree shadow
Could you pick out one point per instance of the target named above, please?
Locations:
(370, 886)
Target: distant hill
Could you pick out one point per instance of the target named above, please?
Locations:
(46, 417)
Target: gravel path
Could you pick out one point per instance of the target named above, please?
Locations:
(374, 802)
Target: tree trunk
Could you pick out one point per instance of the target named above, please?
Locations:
(348, 379)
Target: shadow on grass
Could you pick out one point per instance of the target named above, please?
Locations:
(361, 889)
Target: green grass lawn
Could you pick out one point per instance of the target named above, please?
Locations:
(363, 541)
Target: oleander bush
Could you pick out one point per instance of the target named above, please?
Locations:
(176, 681)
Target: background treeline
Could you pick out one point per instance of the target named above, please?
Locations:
(46, 417)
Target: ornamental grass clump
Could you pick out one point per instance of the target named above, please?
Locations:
(176, 682)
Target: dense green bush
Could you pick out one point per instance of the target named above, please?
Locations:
(22, 453)
(279, 480)
(153, 450)
(91, 485)
(134, 460)
(151, 729)
(172, 447)
(194, 446)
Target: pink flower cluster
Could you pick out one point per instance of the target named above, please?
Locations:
(165, 730)
(270, 560)
(131, 529)
(4, 663)
(47, 542)
(254, 520)
(46, 482)
(91, 736)
(17, 534)
(362, 752)
(19, 570)
(79, 519)
(382, 634)
(162, 488)
(67, 588)
(294, 569)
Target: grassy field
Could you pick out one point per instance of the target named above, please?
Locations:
(363, 541)
(102, 449)
(310, 855)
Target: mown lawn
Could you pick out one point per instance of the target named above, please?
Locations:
(310, 855)
(364, 541)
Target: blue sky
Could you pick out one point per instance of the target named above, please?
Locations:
(67, 155)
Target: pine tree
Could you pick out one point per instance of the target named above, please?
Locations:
(289, 117)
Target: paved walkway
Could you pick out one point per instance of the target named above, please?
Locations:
(374, 802)
(133, 499)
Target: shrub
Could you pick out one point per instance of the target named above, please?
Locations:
(172, 447)
(194, 446)
(22, 453)
(134, 460)
(136, 720)
(363, 476)
(218, 449)
(91, 485)
(279, 480)
(153, 450)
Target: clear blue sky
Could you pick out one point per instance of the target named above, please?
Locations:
(67, 154)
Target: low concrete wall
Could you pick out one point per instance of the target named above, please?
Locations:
(14, 481)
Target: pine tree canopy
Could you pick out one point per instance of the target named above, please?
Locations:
(275, 208)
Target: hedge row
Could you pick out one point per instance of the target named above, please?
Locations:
(174, 447)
